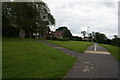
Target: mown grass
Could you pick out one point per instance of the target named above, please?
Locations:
(79, 46)
(24, 58)
(113, 50)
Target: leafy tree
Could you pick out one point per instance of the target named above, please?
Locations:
(8, 28)
(83, 33)
(98, 37)
(115, 41)
(108, 41)
(27, 16)
(101, 38)
(116, 36)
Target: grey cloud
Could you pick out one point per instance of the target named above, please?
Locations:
(77, 16)
(108, 4)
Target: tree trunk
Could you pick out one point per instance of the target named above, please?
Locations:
(30, 35)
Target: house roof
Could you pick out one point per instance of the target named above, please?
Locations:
(58, 33)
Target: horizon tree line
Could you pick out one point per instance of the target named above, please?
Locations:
(102, 38)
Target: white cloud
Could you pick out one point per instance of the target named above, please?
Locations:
(77, 16)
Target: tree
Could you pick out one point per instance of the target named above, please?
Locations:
(115, 41)
(116, 36)
(27, 16)
(109, 41)
(93, 35)
(83, 33)
(8, 18)
(100, 38)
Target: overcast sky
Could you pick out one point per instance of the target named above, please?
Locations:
(77, 16)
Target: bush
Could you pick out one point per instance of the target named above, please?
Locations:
(64, 39)
(59, 39)
(76, 38)
(115, 42)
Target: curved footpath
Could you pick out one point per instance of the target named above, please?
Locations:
(96, 62)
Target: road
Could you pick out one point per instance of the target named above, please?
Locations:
(97, 49)
(96, 62)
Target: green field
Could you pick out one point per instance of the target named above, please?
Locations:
(113, 50)
(79, 46)
(33, 59)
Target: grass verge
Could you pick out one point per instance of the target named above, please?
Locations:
(113, 50)
(79, 46)
(32, 59)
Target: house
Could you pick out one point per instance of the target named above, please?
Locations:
(87, 38)
(42, 33)
(46, 33)
(58, 34)
(36, 35)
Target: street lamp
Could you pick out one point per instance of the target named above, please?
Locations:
(88, 33)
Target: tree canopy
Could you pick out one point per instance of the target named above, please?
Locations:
(83, 33)
(25, 15)
(115, 41)
(98, 37)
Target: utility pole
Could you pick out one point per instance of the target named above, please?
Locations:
(88, 33)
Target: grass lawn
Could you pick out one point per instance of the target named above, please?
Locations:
(32, 59)
(79, 46)
(113, 50)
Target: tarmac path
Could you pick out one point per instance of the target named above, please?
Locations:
(96, 62)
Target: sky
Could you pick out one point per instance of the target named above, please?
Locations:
(100, 16)
(77, 15)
